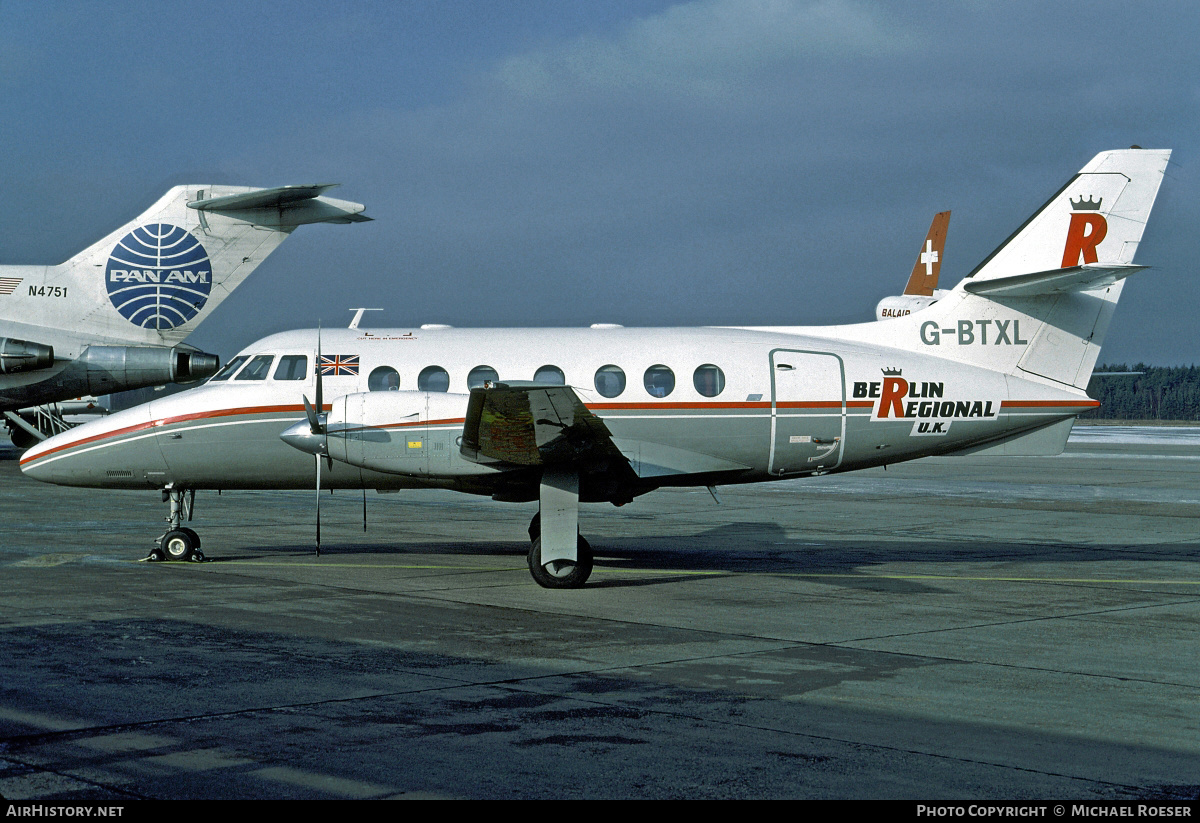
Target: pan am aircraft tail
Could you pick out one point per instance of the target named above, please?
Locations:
(112, 317)
(166, 270)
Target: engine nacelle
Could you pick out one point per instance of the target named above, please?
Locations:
(24, 355)
(119, 368)
(900, 305)
(401, 432)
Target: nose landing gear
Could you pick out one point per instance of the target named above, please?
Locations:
(179, 542)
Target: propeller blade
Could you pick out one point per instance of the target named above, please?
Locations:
(314, 417)
(320, 392)
(318, 505)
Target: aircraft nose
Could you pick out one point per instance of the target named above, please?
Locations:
(34, 465)
(55, 460)
(300, 436)
(117, 451)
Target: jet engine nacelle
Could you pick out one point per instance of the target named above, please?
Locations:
(23, 355)
(119, 368)
(900, 305)
(401, 432)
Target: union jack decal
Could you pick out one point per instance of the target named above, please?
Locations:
(9, 284)
(332, 365)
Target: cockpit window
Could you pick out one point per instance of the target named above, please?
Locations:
(256, 369)
(292, 367)
(230, 367)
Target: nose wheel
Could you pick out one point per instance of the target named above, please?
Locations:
(180, 542)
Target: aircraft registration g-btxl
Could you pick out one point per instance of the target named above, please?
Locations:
(997, 366)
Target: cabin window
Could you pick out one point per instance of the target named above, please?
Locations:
(433, 378)
(610, 380)
(480, 375)
(230, 367)
(257, 369)
(384, 378)
(709, 380)
(660, 381)
(292, 367)
(549, 376)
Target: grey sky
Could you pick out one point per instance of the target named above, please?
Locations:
(644, 163)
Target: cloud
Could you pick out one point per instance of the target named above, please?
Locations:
(704, 51)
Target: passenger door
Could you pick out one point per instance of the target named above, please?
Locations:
(808, 411)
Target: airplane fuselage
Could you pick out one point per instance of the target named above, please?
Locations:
(685, 407)
(997, 365)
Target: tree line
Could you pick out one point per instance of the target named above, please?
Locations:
(1154, 393)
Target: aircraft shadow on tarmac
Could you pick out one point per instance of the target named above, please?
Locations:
(765, 548)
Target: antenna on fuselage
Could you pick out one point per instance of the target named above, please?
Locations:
(358, 313)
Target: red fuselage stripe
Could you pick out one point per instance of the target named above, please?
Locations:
(290, 408)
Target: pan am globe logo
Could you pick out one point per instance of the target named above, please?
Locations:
(158, 276)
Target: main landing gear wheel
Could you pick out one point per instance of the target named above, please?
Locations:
(561, 574)
(180, 544)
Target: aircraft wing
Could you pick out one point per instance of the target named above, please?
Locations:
(532, 424)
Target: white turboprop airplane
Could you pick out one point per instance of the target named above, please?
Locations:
(999, 366)
(921, 291)
(113, 317)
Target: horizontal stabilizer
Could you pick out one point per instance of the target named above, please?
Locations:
(284, 206)
(1087, 277)
(280, 197)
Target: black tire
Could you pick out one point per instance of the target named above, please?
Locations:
(177, 544)
(535, 527)
(192, 534)
(561, 574)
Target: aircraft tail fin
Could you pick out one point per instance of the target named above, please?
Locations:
(155, 278)
(927, 269)
(1097, 217)
(1039, 306)
(921, 290)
